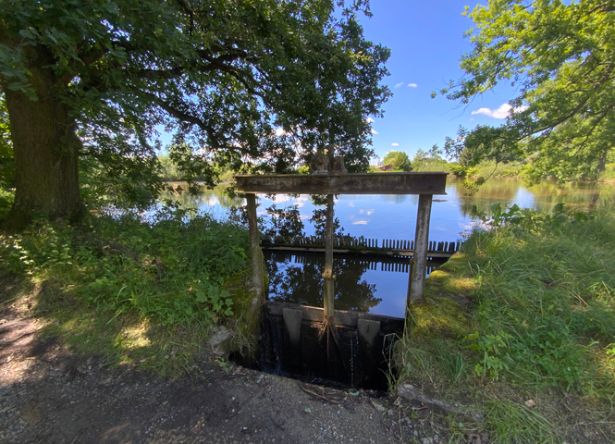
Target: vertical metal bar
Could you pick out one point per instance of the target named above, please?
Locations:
(416, 283)
(329, 296)
(256, 254)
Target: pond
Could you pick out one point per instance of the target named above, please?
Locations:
(394, 216)
(379, 287)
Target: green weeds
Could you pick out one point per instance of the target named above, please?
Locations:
(131, 291)
(528, 306)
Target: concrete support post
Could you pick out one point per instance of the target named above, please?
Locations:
(419, 260)
(329, 297)
(256, 254)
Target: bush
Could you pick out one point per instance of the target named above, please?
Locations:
(174, 278)
(527, 309)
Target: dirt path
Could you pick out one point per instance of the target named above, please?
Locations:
(48, 395)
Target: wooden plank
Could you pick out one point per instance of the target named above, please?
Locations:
(355, 183)
(365, 251)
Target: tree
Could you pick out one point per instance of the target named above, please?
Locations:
(469, 148)
(561, 58)
(100, 79)
(397, 161)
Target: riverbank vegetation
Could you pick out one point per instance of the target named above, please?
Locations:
(127, 291)
(521, 326)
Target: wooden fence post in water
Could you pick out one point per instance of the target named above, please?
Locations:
(256, 254)
(419, 259)
(329, 298)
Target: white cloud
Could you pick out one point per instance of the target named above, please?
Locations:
(374, 132)
(360, 222)
(279, 131)
(395, 144)
(369, 120)
(413, 85)
(399, 85)
(502, 112)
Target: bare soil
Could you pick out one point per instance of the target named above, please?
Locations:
(49, 395)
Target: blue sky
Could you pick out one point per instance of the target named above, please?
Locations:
(426, 42)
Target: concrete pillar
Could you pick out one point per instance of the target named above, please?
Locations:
(292, 320)
(419, 260)
(256, 254)
(329, 294)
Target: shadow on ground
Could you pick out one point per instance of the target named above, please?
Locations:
(47, 394)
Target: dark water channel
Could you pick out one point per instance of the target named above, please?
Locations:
(370, 293)
(341, 357)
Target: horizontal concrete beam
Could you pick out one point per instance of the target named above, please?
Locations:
(363, 183)
(342, 318)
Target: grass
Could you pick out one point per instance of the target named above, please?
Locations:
(132, 292)
(6, 200)
(609, 173)
(525, 312)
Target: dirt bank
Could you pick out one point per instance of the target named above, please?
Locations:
(49, 395)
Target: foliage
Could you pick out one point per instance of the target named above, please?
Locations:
(6, 201)
(285, 224)
(118, 181)
(559, 56)
(483, 143)
(6, 150)
(397, 161)
(609, 172)
(527, 310)
(172, 281)
(223, 77)
(430, 164)
(431, 160)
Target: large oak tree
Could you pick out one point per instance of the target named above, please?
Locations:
(235, 81)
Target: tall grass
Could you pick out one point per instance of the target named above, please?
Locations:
(133, 291)
(527, 309)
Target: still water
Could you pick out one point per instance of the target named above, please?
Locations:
(393, 216)
(380, 287)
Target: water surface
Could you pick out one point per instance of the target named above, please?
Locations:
(378, 287)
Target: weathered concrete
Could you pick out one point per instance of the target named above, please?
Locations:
(343, 318)
(292, 320)
(363, 183)
(368, 330)
(419, 260)
(424, 184)
(256, 257)
(329, 295)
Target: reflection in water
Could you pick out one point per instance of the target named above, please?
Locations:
(393, 216)
(377, 286)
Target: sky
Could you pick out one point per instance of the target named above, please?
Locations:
(427, 41)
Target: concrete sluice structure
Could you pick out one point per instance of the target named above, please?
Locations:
(324, 344)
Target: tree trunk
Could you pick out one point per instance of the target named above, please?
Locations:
(46, 154)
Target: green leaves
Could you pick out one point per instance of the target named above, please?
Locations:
(560, 58)
(222, 77)
(397, 161)
(175, 273)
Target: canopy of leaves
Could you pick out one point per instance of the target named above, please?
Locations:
(560, 56)
(247, 82)
(397, 160)
(469, 148)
